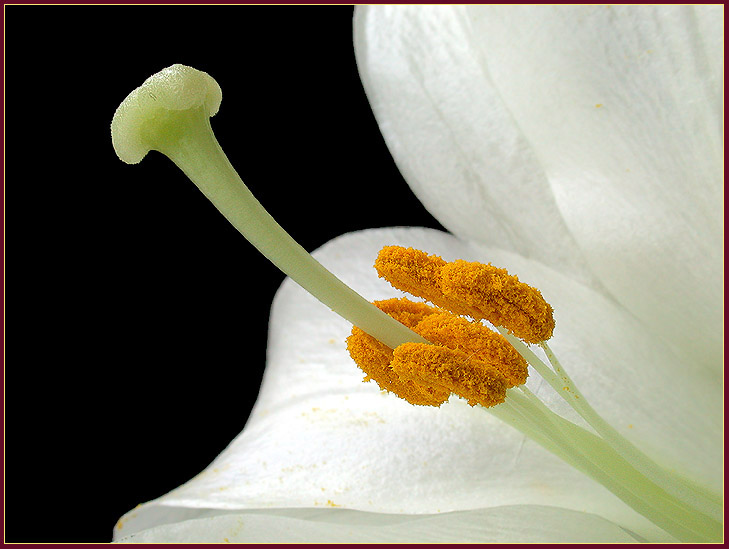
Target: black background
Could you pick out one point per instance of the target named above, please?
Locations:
(137, 317)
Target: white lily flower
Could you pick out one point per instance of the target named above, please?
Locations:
(578, 147)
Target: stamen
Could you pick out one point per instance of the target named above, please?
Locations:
(374, 357)
(458, 372)
(416, 273)
(478, 342)
(410, 313)
(466, 358)
(473, 289)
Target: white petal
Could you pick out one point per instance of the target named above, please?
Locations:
(609, 116)
(524, 524)
(636, 383)
(452, 136)
(320, 437)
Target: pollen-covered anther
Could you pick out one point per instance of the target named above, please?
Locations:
(374, 357)
(478, 342)
(374, 360)
(416, 273)
(464, 357)
(458, 372)
(500, 298)
(410, 313)
(468, 288)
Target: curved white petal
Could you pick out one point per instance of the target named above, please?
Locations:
(453, 137)
(522, 523)
(573, 135)
(319, 437)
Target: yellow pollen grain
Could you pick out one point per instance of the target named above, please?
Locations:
(472, 379)
(469, 288)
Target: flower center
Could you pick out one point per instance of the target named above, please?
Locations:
(465, 358)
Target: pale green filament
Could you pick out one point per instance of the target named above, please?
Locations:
(679, 486)
(675, 484)
(170, 113)
(685, 510)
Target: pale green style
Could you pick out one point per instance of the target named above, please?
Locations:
(451, 104)
(170, 113)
